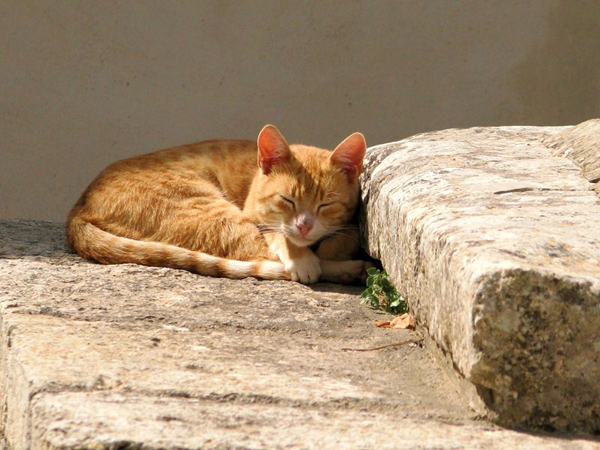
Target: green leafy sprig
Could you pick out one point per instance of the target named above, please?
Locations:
(381, 293)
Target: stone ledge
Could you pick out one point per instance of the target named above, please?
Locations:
(496, 244)
(127, 356)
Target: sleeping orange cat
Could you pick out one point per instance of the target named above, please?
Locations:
(210, 209)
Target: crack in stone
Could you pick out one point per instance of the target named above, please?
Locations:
(236, 398)
(532, 189)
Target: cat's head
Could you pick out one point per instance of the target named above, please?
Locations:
(306, 192)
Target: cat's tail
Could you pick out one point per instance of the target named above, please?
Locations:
(94, 243)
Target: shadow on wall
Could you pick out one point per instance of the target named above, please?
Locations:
(550, 84)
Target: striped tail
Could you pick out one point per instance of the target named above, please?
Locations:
(93, 243)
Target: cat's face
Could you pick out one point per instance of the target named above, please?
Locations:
(304, 192)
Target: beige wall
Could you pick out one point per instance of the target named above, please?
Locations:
(86, 82)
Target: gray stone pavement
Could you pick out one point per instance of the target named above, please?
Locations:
(136, 357)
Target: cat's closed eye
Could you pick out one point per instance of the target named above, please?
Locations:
(323, 205)
(289, 202)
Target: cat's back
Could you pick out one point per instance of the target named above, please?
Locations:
(179, 172)
(214, 154)
(203, 160)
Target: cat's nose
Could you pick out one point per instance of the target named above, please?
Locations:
(304, 223)
(304, 228)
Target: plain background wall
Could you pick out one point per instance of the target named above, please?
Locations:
(86, 82)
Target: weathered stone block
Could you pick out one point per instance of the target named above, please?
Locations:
(495, 242)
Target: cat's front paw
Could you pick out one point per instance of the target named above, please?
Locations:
(306, 269)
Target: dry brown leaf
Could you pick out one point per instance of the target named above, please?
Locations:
(403, 321)
(383, 324)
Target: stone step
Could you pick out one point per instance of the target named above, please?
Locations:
(495, 243)
(106, 357)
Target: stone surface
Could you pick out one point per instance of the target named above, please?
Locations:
(128, 356)
(581, 144)
(496, 245)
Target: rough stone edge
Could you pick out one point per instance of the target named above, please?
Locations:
(444, 359)
(580, 144)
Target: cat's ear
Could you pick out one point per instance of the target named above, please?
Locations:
(273, 149)
(349, 155)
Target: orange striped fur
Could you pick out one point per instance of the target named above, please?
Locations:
(211, 209)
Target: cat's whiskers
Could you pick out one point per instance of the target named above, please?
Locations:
(337, 228)
(286, 229)
(269, 228)
(269, 231)
(338, 233)
(342, 230)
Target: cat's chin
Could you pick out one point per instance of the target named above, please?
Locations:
(300, 241)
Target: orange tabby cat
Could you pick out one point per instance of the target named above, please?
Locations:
(209, 209)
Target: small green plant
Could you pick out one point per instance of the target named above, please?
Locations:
(381, 293)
